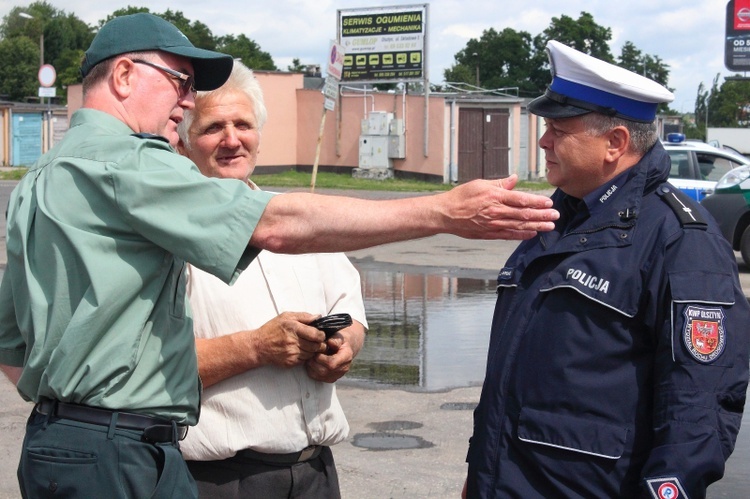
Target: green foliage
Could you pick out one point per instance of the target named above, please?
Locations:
(19, 58)
(241, 47)
(727, 105)
(296, 66)
(197, 32)
(326, 180)
(66, 38)
(583, 34)
(513, 58)
(495, 61)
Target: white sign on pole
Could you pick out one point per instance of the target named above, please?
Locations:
(331, 91)
(47, 91)
(331, 88)
(335, 60)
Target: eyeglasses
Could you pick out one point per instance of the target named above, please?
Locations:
(188, 82)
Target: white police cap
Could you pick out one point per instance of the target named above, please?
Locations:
(582, 84)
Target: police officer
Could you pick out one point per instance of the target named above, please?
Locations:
(618, 360)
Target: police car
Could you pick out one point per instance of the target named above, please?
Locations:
(730, 206)
(697, 166)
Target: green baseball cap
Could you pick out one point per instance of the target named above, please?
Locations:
(143, 32)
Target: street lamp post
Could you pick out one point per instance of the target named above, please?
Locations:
(708, 99)
(46, 116)
(476, 63)
(41, 39)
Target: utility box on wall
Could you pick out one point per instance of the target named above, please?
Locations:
(376, 123)
(373, 152)
(373, 143)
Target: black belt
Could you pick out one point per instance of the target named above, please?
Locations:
(305, 454)
(154, 429)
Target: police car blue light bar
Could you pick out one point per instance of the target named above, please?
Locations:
(675, 138)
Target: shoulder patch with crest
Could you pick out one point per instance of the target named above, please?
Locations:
(704, 335)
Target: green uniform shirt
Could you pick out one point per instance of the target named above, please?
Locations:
(92, 302)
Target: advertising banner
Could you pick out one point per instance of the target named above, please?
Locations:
(383, 44)
(737, 44)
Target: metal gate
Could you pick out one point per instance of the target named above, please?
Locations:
(483, 150)
(27, 138)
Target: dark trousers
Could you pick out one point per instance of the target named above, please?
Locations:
(65, 458)
(239, 477)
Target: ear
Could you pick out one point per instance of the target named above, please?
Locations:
(123, 76)
(618, 143)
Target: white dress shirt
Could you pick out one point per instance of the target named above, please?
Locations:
(270, 409)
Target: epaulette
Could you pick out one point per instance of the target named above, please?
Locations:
(144, 135)
(681, 204)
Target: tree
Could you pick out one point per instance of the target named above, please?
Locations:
(64, 36)
(649, 66)
(19, 65)
(582, 34)
(727, 105)
(245, 49)
(197, 32)
(296, 66)
(496, 60)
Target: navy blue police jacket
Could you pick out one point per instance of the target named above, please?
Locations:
(618, 359)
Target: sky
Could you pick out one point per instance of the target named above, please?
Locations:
(688, 35)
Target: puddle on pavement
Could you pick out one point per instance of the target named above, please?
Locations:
(395, 425)
(428, 332)
(459, 406)
(390, 441)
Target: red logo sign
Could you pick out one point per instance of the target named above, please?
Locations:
(742, 14)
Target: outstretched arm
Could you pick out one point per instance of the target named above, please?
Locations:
(481, 209)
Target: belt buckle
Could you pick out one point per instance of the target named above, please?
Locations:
(306, 453)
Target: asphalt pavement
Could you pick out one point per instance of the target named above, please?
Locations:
(424, 435)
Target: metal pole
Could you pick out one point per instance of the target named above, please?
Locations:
(708, 99)
(317, 151)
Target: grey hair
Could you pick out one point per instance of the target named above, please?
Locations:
(241, 79)
(642, 135)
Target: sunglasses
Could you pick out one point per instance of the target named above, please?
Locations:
(188, 82)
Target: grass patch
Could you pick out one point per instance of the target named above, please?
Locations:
(13, 174)
(327, 180)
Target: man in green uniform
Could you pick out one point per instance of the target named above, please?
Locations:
(94, 325)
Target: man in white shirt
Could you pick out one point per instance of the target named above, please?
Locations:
(269, 410)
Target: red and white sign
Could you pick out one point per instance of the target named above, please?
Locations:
(742, 14)
(47, 75)
(335, 60)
